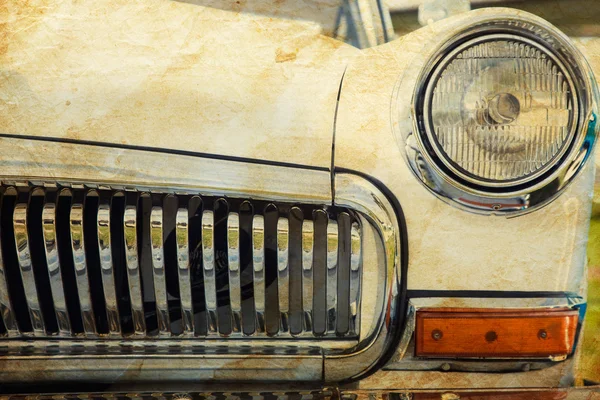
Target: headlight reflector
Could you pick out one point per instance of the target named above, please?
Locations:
(500, 110)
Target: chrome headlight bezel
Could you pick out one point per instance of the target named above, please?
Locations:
(518, 196)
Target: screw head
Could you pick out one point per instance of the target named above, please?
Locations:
(445, 367)
(436, 334)
(542, 334)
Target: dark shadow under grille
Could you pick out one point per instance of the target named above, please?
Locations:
(105, 263)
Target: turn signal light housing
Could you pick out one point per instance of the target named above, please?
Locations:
(495, 333)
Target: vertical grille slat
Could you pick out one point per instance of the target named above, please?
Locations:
(170, 206)
(233, 256)
(208, 270)
(332, 274)
(196, 270)
(221, 263)
(343, 281)
(158, 271)
(296, 325)
(183, 264)
(355, 263)
(54, 269)
(37, 252)
(106, 266)
(26, 267)
(283, 273)
(81, 268)
(320, 273)
(258, 267)
(119, 262)
(272, 313)
(8, 316)
(139, 265)
(6, 309)
(133, 270)
(308, 240)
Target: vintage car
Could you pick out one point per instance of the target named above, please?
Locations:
(238, 200)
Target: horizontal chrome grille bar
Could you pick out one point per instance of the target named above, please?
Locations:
(121, 264)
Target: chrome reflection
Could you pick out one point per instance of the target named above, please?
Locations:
(332, 275)
(81, 270)
(308, 241)
(54, 273)
(233, 256)
(106, 265)
(158, 271)
(283, 273)
(209, 272)
(26, 268)
(183, 270)
(258, 268)
(133, 270)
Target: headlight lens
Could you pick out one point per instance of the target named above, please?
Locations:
(500, 110)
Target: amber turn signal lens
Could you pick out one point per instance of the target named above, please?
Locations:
(451, 332)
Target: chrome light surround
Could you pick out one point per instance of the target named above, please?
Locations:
(412, 127)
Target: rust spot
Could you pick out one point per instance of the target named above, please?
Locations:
(282, 56)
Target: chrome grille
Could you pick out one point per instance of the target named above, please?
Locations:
(97, 263)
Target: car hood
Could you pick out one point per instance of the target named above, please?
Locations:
(171, 75)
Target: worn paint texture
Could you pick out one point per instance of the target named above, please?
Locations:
(255, 80)
(171, 74)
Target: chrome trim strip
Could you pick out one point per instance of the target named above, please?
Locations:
(233, 257)
(87, 165)
(54, 272)
(176, 369)
(258, 268)
(158, 271)
(106, 265)
(360, 195)
(332, 274)
(183, 271)
(355, 276)
(81, 269)
(283, 273)
(172, 347)
(308, 242)
(133, 271)
(26, 268)
(209, 272)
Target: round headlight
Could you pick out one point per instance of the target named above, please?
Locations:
(499, 110)
(502, 115)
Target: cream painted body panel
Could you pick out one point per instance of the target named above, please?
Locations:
(450, 249)
(171, 74)
(186, 77)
